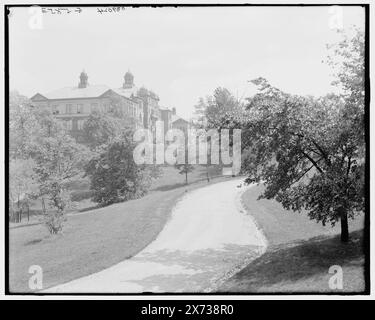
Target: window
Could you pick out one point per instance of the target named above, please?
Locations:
(68, 108)
(68, 125)
(80, 108)
(55, 109)
(80, 123)
(94, 107)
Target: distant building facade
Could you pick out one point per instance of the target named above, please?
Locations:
(73, 105)
(178, 122)
(166, 117)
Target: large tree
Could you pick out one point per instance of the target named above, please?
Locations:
(58, 160)
(99, 129)
(23, 126)
(310, 152)
(28, 125)
(308, 159)
(213, 112)
(114, 175)
(210, 111)
(22, 185)
(43, 157)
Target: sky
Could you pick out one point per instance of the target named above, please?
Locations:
(179, 53)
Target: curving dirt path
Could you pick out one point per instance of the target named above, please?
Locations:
(208, 238)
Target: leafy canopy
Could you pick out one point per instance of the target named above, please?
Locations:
(114, 175)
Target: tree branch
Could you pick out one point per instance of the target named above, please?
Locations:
(300, 177)
(349, 165)
(324, 154)
(312, 161)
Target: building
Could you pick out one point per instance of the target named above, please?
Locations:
(73, 105)
(151, 107)
(178, 122)
(166, 117)
(130, 91)
(148, 99)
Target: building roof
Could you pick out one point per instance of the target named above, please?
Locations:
(93, 91)
(176, 118)
(127, 92)
(146, 92)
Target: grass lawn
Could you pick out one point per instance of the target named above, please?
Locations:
(81, 193)
(96, 239)
(170, 179)
(299, 254)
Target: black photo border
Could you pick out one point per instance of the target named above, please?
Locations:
(366, 291)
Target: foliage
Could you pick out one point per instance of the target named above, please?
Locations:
(309, 152)
(99, 129)
(59, 199)
(58, 159)
(347, 61)
(21, 178)
(47, 123)
(23, 126)
(184, 169)
(27, 125)
(210, 112)
(305, 155)
(199, 114)
(215, 112)
(54, 222)
(114, 175)
(22, 183)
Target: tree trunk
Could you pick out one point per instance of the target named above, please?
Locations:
(208, 177)
(43, 206)
(13, 211)
(344, 226)
(18, 209)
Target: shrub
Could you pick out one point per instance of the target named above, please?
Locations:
(114, 175)
(54, 221)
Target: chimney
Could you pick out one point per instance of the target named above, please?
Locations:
(83, 80)
(174, 110)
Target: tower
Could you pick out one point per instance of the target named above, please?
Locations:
(83, 80)
(129, 80)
